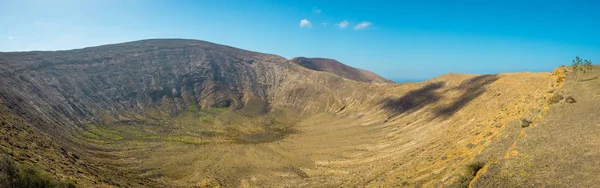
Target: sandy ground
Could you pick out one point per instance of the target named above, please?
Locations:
(428, 144)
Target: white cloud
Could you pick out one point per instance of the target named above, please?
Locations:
(362, 25)
(316, 10)
(10, 37)
(343, 24)
(305, 23)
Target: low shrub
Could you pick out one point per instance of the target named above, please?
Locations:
(555, 98)
(570, 100)
(474, 167)
(14, 175)
(525, 122)
(471, 171)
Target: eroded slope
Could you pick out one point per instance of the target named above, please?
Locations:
(562, 150)
(337, 68)
(191, 113)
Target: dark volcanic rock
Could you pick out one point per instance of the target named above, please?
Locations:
(61, 89)
(69, 87)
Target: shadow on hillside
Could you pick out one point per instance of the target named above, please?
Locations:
(413, 100)
(471, 88)
(419, 98)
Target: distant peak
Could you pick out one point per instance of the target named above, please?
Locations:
(335, 67)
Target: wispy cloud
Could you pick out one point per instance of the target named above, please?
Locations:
(10, 37)
(316, 10)
(305, 23)
(343, 24)
(362, 25)
(324, 24)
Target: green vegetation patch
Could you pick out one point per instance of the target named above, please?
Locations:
(13, 174)
(101, 133)
(581, 66)
(191, 126)
(186, 140)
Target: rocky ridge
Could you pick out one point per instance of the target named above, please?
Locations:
(174, 112)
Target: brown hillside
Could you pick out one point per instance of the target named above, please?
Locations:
(184, 113)
(562, 150)
(337, 68)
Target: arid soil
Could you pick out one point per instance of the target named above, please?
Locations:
(562, 150)
(206, 115)
(338, 68)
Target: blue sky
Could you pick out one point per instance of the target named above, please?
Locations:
(400, 40)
